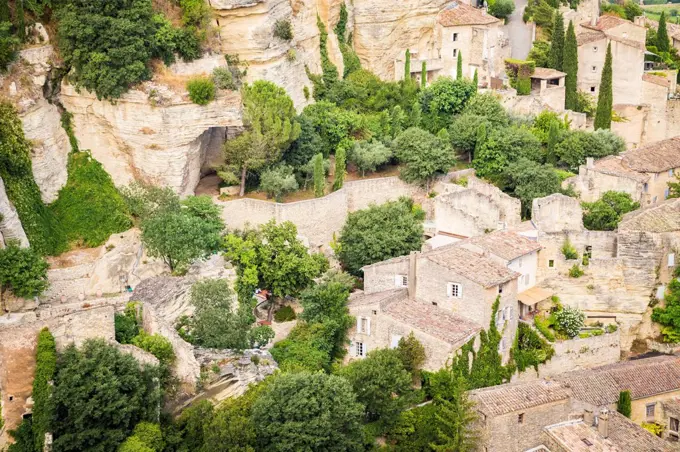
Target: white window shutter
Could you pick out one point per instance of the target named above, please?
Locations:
(397, 280)
(359, 325)
(460, 291)
(364, 350)
(671, 259)
(368, 326)
(352, 349)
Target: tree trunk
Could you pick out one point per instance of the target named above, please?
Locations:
(243, 181)
(3, 309)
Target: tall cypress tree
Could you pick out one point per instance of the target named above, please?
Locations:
(475, 80)
(319, 175)
(553, 133)
(623, 405)
(459, 66)
(570, 66)
(556, 55)
(423, 75)
(662, 41)
(340, 167)
(20, 20)
(603, 114)
(407, 65)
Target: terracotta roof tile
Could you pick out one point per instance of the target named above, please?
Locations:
(463, 14)
(655, 157)
(547, 73)
(615, 166)
(364, 299)
(643, 378)
(506, 245)
(572, 436)
(435, 321)
(475, 267)
(507, 398)
(589, 36)
(664, 217)
(630, 437)
(607, 22)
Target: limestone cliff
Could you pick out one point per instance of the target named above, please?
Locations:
(10, 226)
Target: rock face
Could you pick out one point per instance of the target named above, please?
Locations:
(246, 29)
(10, 226)
(152, 133)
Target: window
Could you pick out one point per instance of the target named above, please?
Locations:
(594, 48)
(520, 418)
(645, 187)
(454, 290)
(650, 410)
(670, 172)
(455, 53)
(592, 89)
(551, 263)
(671, 259)
(526, 277)
(401, 281)
(394, 342)
(375, 312)
(361, 350)
(364, 325)
(674, 424)
(500, 288)
(455, 37)
(666, 193)
(593, 68)
(434, 303)
(587, 442)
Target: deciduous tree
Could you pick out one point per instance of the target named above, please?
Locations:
(605, 213)
(441, 100)
(423, 155)
(22, 272)
(456, 420)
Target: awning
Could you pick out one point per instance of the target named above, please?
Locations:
(532, 296)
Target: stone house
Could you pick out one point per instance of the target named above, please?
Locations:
(670, 418)
(643, 173)
(576, 411)
(455, 280)
(470, 31)
(548, 85)
(628, 50)
(383, 318)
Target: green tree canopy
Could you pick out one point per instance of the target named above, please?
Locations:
(369, 155)
(312, 412)
(269, 116)
(378, 233)
(504, 146)
(577, 145)
(423, 154)
(669, 315)
(605, 213)
(444, 98)
(100, 395)
(488, 106)
(556, 55)
(528, 180)
(22, 272)
(456, 419)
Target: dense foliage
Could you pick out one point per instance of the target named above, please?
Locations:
(529, 349)
(379, 233)
(423, 155)
(603, 114)
(570, 67)
(668, 316)
(43, 406)
(569, 321)
(22, 272)
(623, 404)
(605, 213)
(201, 90)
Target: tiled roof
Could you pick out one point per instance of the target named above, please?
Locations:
(475, 267)
(507, 398)
(630, 437)
(616, 166)
(655, 157)
(664, 217)
(606, 22)
(572, 436)
(463, 14)
(507, 245)
(547, 73)
(643, 378)
(589, 36)
(432, 320)
(672, 406)
(364, 299)
(656, 79)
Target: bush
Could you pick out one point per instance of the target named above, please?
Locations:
(543, 326)
(605, 213)
(285, 314)
(368, 156)
(223, 78)
(502, 8)
(8, 45)
(575, 271)
(157, 345)
(569, 321)
(569, 251)
(201, 90)
(276, 182)
(283, 29)
(529, 349)
(611, 328)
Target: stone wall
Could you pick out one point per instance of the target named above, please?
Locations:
(10, 225)
(317, 219)
(577, 354)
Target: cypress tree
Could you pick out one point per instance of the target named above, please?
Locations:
(662, 41)
(423, 75)
(407, 65)
(43, 405)
(459, 66)
(21, 21)
(319, 176)
(556, 55)
(415, 115)
(340, 167)
(623, 405)
(553, 133)
(4, 11)
(570, 66)
(475, 80)
(481, 139)
(603, 114)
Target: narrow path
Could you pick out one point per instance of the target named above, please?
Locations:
(518, 32)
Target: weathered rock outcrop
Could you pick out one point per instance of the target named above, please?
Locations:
(10, 226)
(152, 133)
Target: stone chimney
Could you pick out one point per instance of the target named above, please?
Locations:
(588, 417)
(412, 277)
(590, 162)
(595, 13)
(603, 423)
(639, 20)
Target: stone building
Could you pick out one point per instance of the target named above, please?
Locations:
(643, 173)
(461, 29)
(548, 86)
(576, 411)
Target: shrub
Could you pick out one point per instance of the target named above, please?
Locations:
(157, 345)
(575, 271)
(285, 314)
(201, 90)
(502, 8)
(283, 29)
(529, 349)
(278, 181)
(8, 45)
(223, 78)
(569, 251)
(611, 328)
(569, 321)
(623, 405)
(653, 428)
(543, 326)
(368, 156)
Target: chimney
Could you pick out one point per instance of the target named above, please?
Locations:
(412, 278)
(603, 424)
(639, 20)
(588, 417)
(596, 12)
(590, 162)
